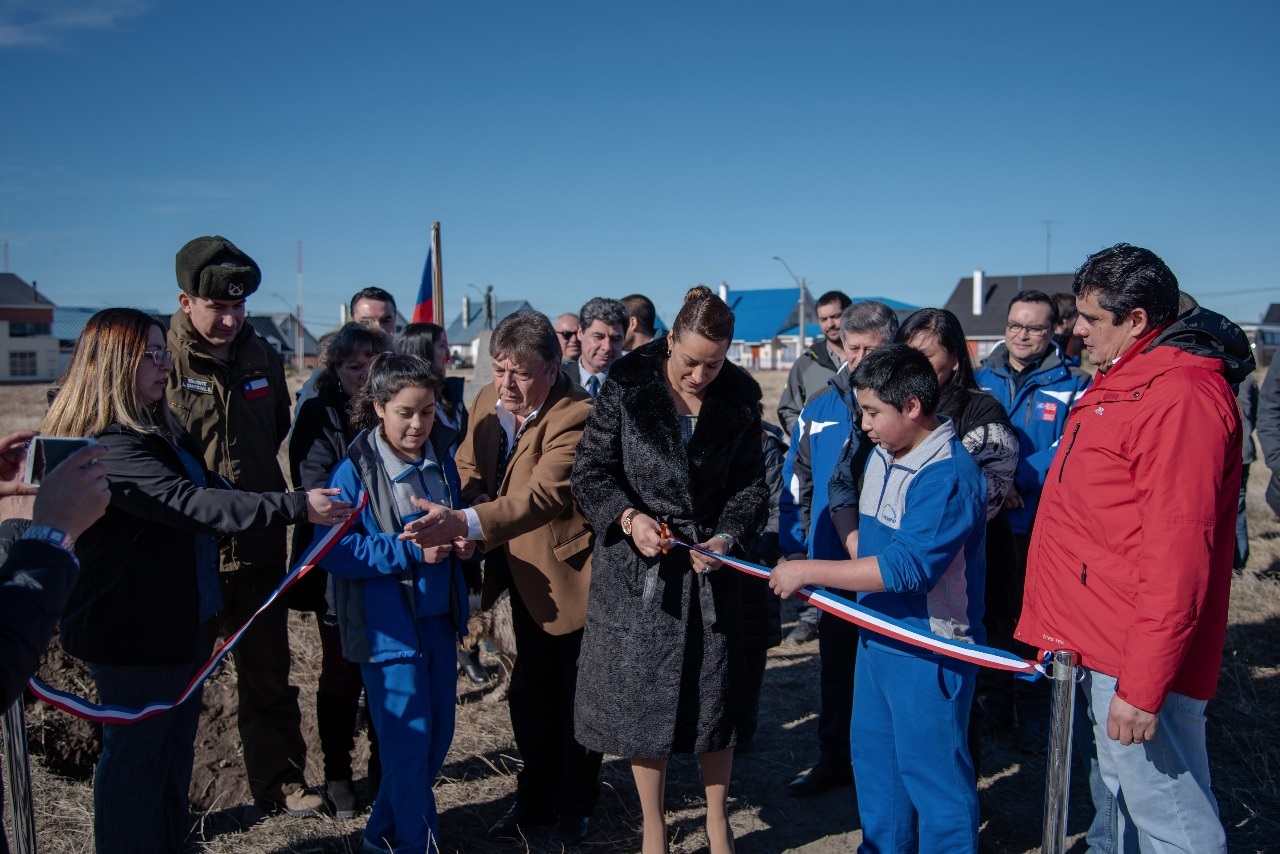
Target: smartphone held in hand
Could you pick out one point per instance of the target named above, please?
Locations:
(46, 452)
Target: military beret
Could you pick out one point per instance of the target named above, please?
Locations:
(214, 268)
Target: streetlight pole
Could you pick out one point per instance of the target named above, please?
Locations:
(800, 282)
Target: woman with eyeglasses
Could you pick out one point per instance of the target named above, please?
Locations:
(142, 614)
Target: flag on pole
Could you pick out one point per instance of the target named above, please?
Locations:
(430, 305)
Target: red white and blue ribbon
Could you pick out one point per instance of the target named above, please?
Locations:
(863, 617)
(82, 708)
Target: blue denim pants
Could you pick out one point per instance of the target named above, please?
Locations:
(1161, 787)
(141, 785)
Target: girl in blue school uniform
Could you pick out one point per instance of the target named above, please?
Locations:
(401, 608)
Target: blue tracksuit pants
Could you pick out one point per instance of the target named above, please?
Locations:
(411, 702)
(909, 741)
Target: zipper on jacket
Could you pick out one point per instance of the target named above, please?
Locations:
(1084, 574)
(1068, 451)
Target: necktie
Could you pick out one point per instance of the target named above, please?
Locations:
(504, 455)
(593, 385)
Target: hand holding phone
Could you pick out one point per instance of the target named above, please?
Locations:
(75, 494)
(46, 452)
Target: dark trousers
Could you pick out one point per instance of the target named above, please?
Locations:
(269, 721)
(143, 777)
(838, 653)
(559, 774)
(338, 707)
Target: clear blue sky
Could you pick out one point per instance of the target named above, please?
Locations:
(574, 149)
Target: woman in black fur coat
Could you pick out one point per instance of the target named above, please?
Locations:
(674, 438)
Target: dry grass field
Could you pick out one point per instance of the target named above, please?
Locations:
(478, 782)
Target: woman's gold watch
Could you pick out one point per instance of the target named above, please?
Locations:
(628, 519)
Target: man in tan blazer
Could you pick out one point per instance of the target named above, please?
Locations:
(515, 464)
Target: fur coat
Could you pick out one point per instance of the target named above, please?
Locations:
(662, 657)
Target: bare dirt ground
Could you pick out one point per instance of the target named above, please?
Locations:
(478, 782)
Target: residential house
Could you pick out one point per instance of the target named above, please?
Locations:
(463, 333)
(766, 330)
(28, 350)
(981, 304)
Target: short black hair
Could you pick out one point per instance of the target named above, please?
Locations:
(371, 293)
(897, 372)
(834, 296)
(641, 308)
(1124, 278)
(1038, 296)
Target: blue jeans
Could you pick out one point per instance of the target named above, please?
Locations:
(1161, 787)
(141, 785)
(411, 703)
(914, 776)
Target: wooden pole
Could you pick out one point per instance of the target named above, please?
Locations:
(437, 286)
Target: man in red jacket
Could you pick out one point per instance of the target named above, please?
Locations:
(1130, 561)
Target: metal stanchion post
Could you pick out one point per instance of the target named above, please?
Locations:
(1062, 672)
(17, 768)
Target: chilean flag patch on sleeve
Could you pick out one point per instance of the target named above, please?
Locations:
(256, 388)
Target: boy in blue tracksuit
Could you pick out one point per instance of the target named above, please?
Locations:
(921, 560)
(401, 608)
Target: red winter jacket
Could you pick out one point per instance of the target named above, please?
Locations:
(1130, 560)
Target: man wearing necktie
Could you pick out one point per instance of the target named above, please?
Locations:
(515, 464)
(602, 329)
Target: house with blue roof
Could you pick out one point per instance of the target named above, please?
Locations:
(766, 330)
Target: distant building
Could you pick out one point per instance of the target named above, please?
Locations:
(984, 309)
(289, 326)
(28, 350)
(1265, 336)
(266, 327)
(464, 332)
(766, 329)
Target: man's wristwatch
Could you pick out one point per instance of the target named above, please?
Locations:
(628, 519)
(53, 536)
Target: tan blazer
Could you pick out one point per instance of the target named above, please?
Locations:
(532, 519)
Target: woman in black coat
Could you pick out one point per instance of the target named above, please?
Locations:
(142, 612)
(675, 439)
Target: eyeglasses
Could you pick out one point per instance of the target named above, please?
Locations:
(160, 357)
(566, 334)
(1033, 331)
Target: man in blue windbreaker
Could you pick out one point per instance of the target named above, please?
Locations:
(1037, 384)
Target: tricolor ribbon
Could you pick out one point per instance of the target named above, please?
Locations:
(863, 617)
(82, 708)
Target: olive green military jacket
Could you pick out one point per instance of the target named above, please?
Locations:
(238, 414)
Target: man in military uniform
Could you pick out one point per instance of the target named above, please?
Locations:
(228, 388)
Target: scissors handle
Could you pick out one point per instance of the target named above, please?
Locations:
(666, 535)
